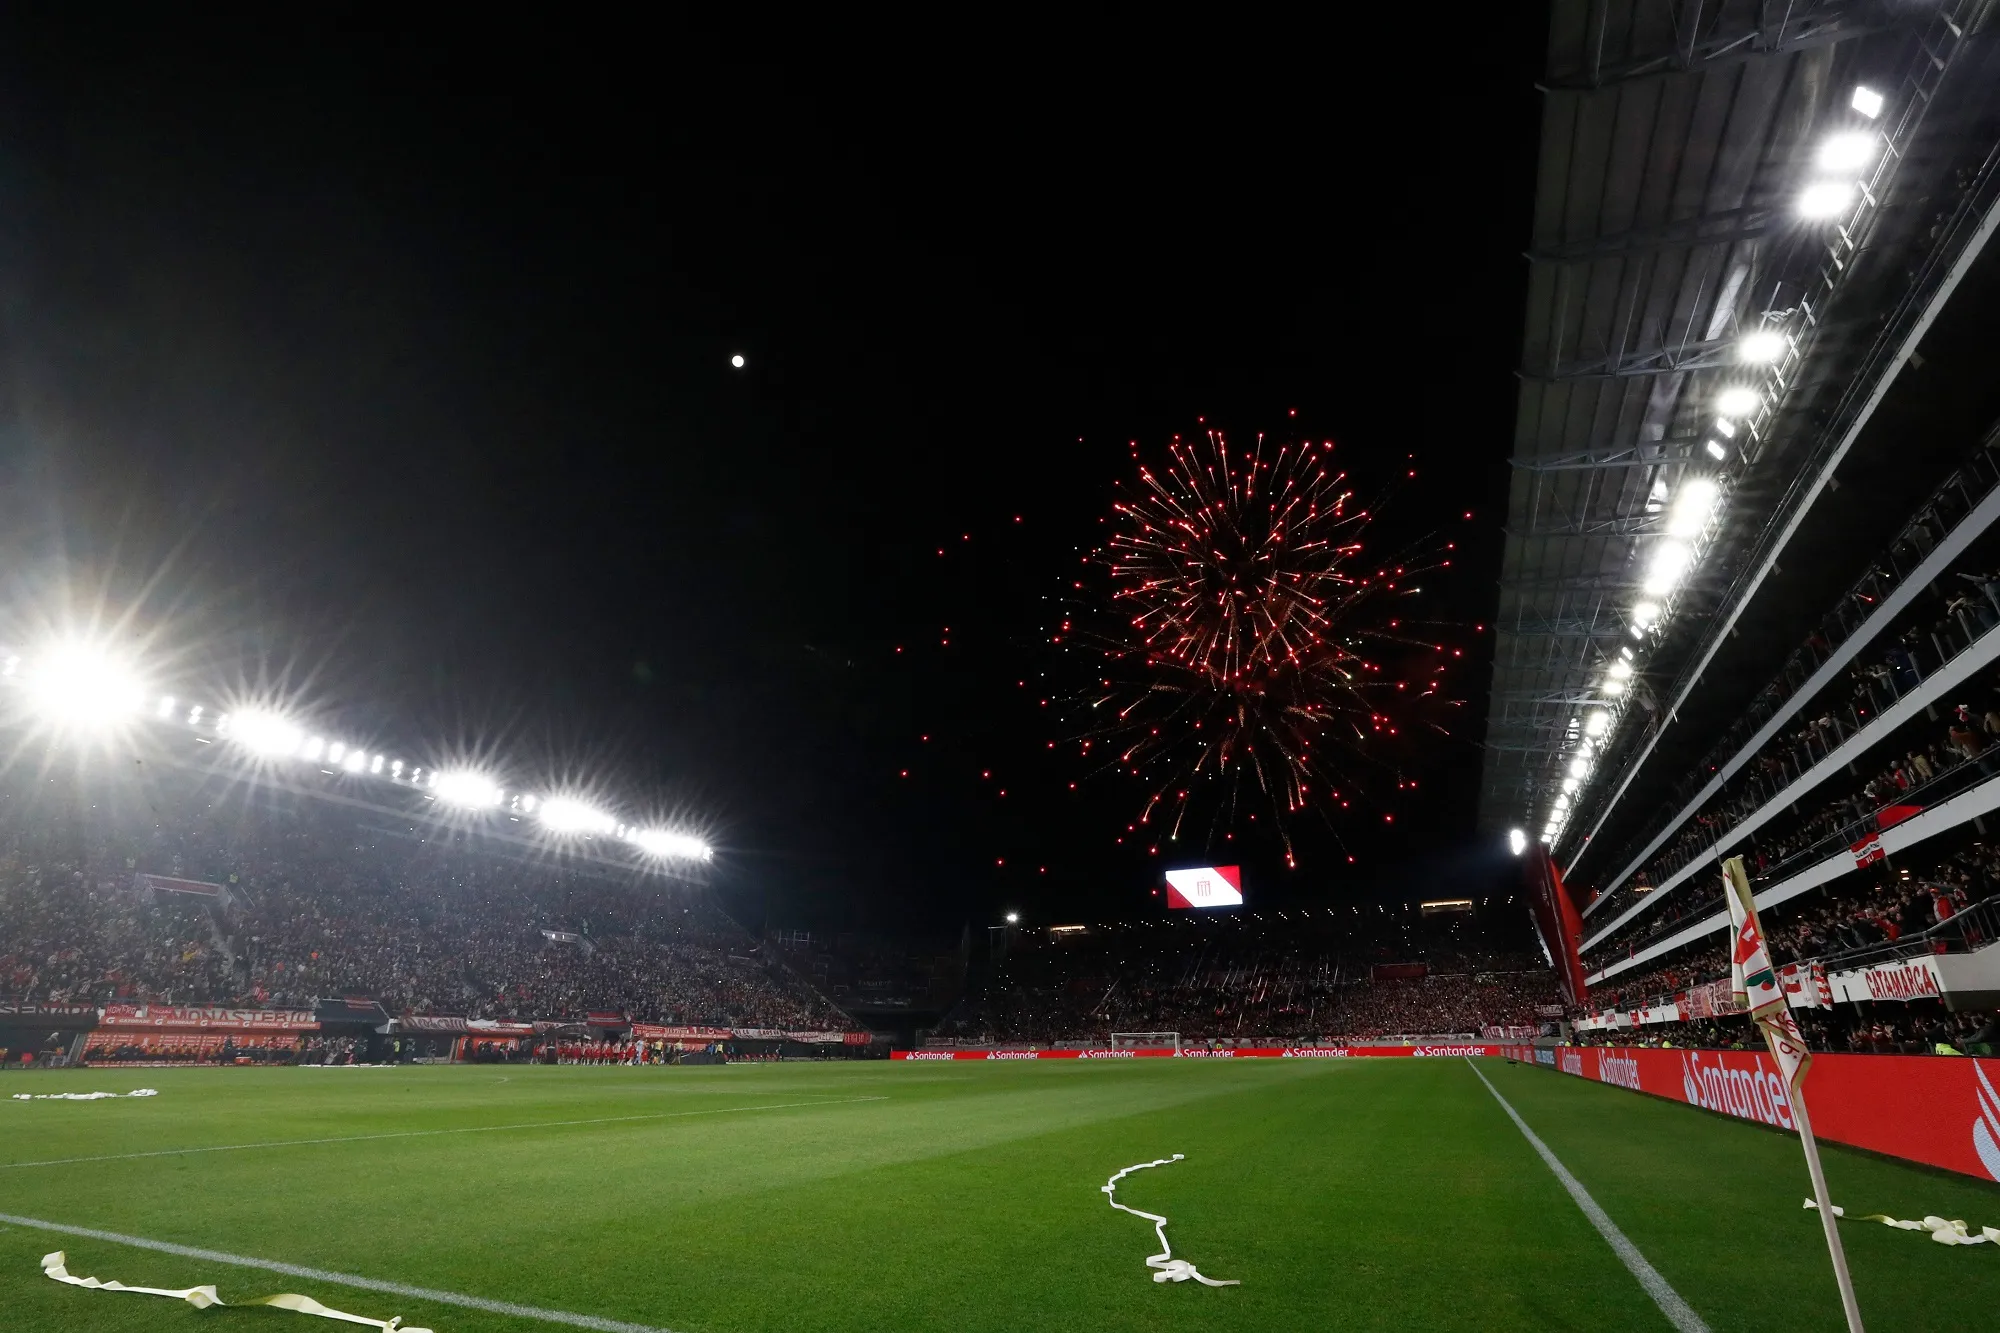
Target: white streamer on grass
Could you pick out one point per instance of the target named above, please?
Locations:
(1169, 1268)
(82, 1096)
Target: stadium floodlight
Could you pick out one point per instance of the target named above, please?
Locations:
(1013, 918)
(1620, 669)
(375, 764)
(1762, 347)
(559, 814)
(79, 685)
(166, 706)
(1693, 507)
(1848, 152)
(1569, 785)
(1826, 199)
(469, 791)
(1716, 450)
(1867, 101)
(1579, 769)
(1645, 613)
(264, 733)
(1597, 723)
(13, 665)
(314, 747)
(355, 761)
(1517, 841)
(335, 752)
(1670, 560)
(670, 846)
(1738, 400)
(396, 768)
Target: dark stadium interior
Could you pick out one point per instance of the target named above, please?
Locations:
(1406, 614)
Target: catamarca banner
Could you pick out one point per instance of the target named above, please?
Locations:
(1939, 1110)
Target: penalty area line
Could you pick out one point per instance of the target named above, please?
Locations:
(1677, 1311)
(432, 1133)
(590, 1321)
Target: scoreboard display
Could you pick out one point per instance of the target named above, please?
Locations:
(1205, 886)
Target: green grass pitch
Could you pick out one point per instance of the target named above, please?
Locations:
(1344, 1194)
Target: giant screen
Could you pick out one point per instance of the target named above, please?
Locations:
(1205, 886)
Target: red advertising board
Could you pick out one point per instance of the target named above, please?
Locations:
(1939, 1110)
(1202, 1053)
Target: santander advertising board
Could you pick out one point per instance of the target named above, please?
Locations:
(1205, 886)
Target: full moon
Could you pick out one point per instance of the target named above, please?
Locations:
(737, 360)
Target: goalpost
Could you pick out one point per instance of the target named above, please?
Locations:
(1130, 1041)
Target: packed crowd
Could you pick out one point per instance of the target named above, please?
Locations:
(317, 902)
(1232, 981)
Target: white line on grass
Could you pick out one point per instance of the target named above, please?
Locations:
(1677, 1311)
(427, 1133)
(589, 1321)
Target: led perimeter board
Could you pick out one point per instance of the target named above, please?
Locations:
(1205, 886)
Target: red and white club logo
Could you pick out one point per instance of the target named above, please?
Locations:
(1205, 886)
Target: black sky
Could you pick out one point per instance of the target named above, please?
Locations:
(398, 359)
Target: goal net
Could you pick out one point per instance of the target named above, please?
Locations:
(1132, 1041)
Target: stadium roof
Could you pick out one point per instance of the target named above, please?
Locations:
(1678, 146)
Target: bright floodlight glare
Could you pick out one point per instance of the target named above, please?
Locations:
(1692, 507)
(1517, 841)
(562, 815)
(313, 748)
(1670, 560)
(1826, 199)
(1762, 347)
(1848, 152)
(1569, 785)
(737, 361)
(354, 761)
(1739, 401)
(77, 685)
(1645, 613)
(670, 846)
(1013, 917)
(1867, 101)
(1579, 769)
(262, 732)
(375, 764)
(1620, 669)
(1716, 450)
(166, 705)
(468, 790)
(334, 752)
(1597, 723)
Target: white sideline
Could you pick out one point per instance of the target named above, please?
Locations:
(1677, 1311)
(589, 1321)
(428, 1133)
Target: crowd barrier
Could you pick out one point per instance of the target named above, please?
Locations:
(1939, 1110)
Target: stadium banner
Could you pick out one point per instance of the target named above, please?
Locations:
(67, 1017)
(668, 1032)
(1904, 979)
(1203, 1053)
(1557, 924)
(210, 1020)
(1942, 1111)
(431, 1023)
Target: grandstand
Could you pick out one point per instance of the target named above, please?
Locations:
(1750, 576)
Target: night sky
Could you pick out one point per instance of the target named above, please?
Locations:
(393, 366)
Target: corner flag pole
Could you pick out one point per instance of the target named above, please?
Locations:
(1754, 983)
(1827, 1220)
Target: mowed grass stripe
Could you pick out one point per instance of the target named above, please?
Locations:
(427, 1133)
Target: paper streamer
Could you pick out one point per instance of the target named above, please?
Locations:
(82, 1096)
(1945, 1231)
(1169, 1268)
(203, 1297)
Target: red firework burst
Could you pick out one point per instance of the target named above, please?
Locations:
(1245, 643)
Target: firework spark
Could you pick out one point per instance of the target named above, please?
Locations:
(1246, 646)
